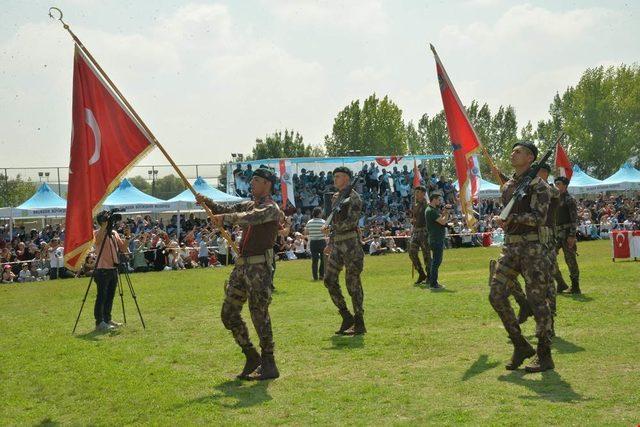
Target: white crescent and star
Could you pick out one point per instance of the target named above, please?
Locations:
(93, 124)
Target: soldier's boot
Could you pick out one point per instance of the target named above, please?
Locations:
(347, 323)
(358, 327)
(524, 313)
(521, 350)
(543, 361)
(575, 286)
(251, 364)
(421, 277)
(267, 370)
(562, 285)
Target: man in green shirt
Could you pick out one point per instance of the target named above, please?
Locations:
(436, 223)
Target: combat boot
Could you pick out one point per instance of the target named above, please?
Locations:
(347, 323)
(251, 364)
(521, 350)
(524, 313)
(267, 370)
(575, 286)
(543, 361)
(562, 285)
(421, 277)
(358, 327)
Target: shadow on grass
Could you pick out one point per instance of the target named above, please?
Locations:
(95, 335)
(346, 342)
(48, 422)
(564, 346)
(577, 297)
(479, 366)
(243, 394)
(548, 386)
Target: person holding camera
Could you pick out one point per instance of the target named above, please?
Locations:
(251, 277)
(437, 217)
(106, 272)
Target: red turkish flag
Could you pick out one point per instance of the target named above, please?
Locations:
(416, 174)
(106, 140)
(463, 137)
(563, 165)
(621, 244)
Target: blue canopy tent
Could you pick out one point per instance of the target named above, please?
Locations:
(44, 203)
(130, 199)
(186, 200)
(487, 189)
(582, 183)
(626, 178)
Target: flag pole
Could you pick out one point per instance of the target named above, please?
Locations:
(485, 153)
(155, 141)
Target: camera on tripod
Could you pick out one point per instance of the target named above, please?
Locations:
(109, 217)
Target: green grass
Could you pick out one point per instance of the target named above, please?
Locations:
(429, 358)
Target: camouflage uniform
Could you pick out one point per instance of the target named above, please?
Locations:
(525, 252)
(346, 250)
(419, 239)
(567, 226)
(251, 277)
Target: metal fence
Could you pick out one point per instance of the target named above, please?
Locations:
(58, 177)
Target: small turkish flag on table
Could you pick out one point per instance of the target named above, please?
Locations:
(625, 244)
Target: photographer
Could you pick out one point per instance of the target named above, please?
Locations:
(437, 219)
(106, 273)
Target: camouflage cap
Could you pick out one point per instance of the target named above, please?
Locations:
(545, 166)
(528, 145)
(266, 174)
(421, 188)
(562, 179)
(343, 169)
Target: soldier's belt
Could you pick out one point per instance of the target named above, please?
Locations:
(520, 238)
(345, 236)
(564, 227)
(256, 259)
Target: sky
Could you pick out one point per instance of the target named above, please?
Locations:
(210, 77)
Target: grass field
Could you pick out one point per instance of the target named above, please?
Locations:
(429, 358)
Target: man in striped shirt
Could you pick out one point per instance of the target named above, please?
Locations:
(317, 242)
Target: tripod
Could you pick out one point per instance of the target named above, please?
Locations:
(119, 268)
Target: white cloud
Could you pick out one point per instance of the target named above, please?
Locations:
(527, 26)
(360, 16)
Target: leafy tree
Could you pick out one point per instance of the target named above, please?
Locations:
(601, 117)
(376, 129)
(141, 184)
(15, 191)
(168, 186)
(279, 145)
(414, 143)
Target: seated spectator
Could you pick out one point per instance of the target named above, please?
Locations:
(25, 274)
(7, 275)
(375, 247)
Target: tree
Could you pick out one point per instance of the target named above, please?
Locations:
(434, 137)
(15, 191)
(376, 129)
(168, 186)
(414, 143)
(141, 184)
(601, 117)
(277, 145)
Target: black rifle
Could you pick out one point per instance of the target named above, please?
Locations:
(523, 186)
(343, 199)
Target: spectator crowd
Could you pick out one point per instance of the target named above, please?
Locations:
(385, 226)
